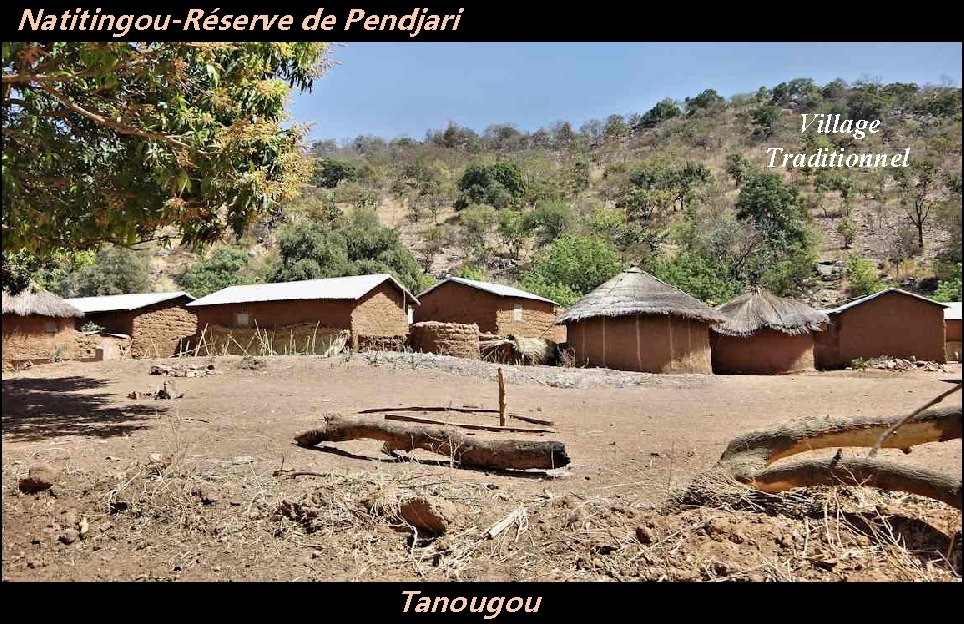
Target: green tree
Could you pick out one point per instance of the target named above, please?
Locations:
(222, 267)
(707, 99)
(737, 167)
(549, 220)
(500, 185)
(680, 181)
(514, 230)
(664, 109)
(111, 141)
(56, 271)
(571, 267)
(328, 172)
(763, 120)
(919, 185)
(311, 251)
(949, 286)
(477, 221)
(115, 271)
(697, 276)
(862, 276)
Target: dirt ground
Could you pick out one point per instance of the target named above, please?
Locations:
(206, 487)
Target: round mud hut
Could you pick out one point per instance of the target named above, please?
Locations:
(764, 333)
(637, 322)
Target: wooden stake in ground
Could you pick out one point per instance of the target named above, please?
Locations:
(501, 399)
(464, 450)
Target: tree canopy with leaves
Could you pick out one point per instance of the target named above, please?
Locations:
(112, 141)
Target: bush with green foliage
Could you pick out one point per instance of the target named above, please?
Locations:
(549, 221)
(328, 172)
(222, 267)
(847, 230)
(501, 185)
(477, 222)
(862, 276)
(115, 271)
(570, 267)
(56, 271)
(949, 284)
(711, 282)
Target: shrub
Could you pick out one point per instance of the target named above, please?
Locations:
(862, 276)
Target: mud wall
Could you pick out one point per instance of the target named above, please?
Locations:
(37, 339)
(157, 332)
(456, 303)
(380, 314)
(766, 351)
(275, 314)
(457, 339)
(952, 332)
(648, 343)
(892, 324)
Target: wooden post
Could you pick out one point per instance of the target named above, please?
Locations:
(501, 398)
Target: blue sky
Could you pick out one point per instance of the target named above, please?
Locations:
(405, 89)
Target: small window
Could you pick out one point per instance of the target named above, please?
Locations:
(517, 312)
(411, 314)
(50, 327)
(241, 319)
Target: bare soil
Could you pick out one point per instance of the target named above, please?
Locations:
(211, 486)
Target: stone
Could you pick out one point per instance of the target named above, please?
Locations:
(429, 514)
(39, 478)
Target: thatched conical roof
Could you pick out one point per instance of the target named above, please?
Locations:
(38, 302)
(635, 291)
(759, 309)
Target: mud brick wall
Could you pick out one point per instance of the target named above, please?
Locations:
(380, 314)
(766, 351)
(456, 303)
(457, 339)
(157, 332)
(37, 339)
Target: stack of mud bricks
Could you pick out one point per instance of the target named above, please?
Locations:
(454, 339)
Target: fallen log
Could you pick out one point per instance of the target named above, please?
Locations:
(863, 472)
(446, 441)
(747, 458)
(497, 428)
(530, 419)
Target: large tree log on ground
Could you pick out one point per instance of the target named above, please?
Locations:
(464, 450)
(860, 471)
(748, 457)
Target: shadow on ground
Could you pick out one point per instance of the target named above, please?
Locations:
(35, 409)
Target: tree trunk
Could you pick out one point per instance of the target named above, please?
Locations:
(465, 450)
(748, 457)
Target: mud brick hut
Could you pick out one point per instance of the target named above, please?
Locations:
(495, 308)
(764, 333)
(892, 322)
(158, 323)
(637, 322)
(952, 331)
(38, 327)
(372, 309)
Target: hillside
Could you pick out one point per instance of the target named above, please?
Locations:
(682, 189)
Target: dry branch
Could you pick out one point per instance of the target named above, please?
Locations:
(447, 441)
(497, 428)
(460, 410)
(501, 398)
(748, 457)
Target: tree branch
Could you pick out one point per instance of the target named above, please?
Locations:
(114, 125)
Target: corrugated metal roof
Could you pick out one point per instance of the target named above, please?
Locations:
(116, 303)
(953, 311)
(496, 289)
(857, 302)
(343, 288)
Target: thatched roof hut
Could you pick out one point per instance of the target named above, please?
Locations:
(764, 333)
(638, 322)
(635, 292)
(33, 302)
(762, 310)
(38, 326)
